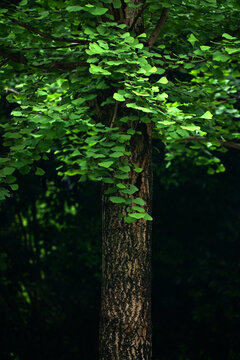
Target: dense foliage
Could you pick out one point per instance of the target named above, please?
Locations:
(82, 81)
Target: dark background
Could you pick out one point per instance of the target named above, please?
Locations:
(50, 264)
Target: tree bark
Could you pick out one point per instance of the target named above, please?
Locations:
(125, 326)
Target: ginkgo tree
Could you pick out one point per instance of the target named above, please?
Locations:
(93, 83)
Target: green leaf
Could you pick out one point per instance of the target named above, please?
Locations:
(160, 71)
(131, 131)
(120, 148)
(138, 208)
(136, 215)
(110, 190)
(139, 201)
(118, 97)
(122, 176)
(131, 190)
(163, 80)
(7, 171)
(232, 50)
(121, 186)
(191, 127)
(39, 171)
(3, 160)
(14, 187)
(207, 115)
(142, 35)
(192, 39)
(74, 8)
(125, 168)
(105, 164)
(76, 153)
(148, 217)
(10, 179)
(98, 11)
(117, 199)
(12, 135)
(229, 37)
(162, 97)
(4, 193)
(123, 138)
(116, 154)
(129, 219)
(218, 56)
(94, 48)
(117, 4)
(167, 122)
(16, 113)
(205, 48)
(23, 2)
(141, 108)
(137, 169)
(108, 180)
(98, 70)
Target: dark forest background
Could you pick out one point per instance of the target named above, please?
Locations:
(50, 264)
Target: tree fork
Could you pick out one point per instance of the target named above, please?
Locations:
(125, 326)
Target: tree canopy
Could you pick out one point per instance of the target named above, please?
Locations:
(81, 77)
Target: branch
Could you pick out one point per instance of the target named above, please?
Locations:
(158, 28)
(50, 47)
(114, 114)
(48, 36)
(138, 16)
(14, 56)
(204, 11)
(8, 90)
(194, 62)
(228, 99)
(230, 144)
(18, 57)
(61, 65)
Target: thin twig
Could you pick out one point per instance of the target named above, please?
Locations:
(48, 36)
(50, 47)
(158, 28)
(61, 65)
(204, 11)
(8, 90)
(114, 114)
(230, 144)
(228, 99)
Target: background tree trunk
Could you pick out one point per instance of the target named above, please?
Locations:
(125, 328)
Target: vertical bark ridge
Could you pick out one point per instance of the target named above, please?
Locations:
(125, 329)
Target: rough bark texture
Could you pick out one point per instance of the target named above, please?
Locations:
(125, 329)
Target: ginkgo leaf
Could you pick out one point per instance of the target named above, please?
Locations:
(163, 80)
(118, 97)
(192, 39)
(117, 199)
(207, 115)
(105, 164)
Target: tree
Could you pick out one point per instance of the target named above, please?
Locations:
(93, 83)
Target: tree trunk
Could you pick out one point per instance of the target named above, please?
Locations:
(125, 327)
